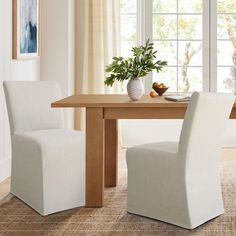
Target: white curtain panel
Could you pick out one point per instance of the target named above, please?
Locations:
(97, 41)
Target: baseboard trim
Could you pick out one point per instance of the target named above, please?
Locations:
(5, 168)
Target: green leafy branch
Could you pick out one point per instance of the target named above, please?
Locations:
(140, 65)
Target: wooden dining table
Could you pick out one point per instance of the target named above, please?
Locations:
(102, 113)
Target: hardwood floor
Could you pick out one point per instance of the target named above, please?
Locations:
(16, 218)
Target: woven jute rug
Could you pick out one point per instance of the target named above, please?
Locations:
(16, 218)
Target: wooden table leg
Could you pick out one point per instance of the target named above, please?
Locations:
(94, 157)
(111, 139)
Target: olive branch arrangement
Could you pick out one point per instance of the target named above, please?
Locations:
(139, 65)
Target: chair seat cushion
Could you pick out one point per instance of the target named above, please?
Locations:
(52, 143)
(154, 149)
(52, 136)
(155, 153)
(170, 147)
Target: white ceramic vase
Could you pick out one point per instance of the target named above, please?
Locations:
(135, 89)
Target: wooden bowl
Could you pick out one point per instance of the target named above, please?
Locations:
(160, 91)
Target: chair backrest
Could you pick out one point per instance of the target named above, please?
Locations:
(203, 128)
(29, 105)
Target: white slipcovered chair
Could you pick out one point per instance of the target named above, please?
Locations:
(179, 183)
(48, 162)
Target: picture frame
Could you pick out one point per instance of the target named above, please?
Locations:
(26, 29)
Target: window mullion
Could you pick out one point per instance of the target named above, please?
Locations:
(213, 45)
(177, 56)
(206, 46)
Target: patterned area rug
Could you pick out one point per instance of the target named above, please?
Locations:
(16, 218)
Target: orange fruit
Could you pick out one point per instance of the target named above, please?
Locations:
(152, 94)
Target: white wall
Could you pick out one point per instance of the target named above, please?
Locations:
(57, 51)
(10, 70)
(135, 132)
(230, 134)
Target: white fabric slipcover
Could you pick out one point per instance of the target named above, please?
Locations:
(48, 162)
(179, 183)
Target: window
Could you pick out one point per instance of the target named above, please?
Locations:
(196, 37)
(177, 35)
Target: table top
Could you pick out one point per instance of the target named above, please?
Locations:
(112, 100)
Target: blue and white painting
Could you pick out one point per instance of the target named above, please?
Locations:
(28, 26)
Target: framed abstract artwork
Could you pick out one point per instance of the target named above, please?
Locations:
(26, 25)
